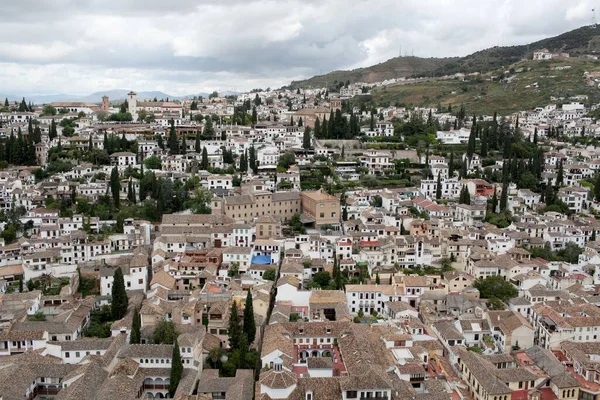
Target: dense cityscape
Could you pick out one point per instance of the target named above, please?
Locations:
(350, 240)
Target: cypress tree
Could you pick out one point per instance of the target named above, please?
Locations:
(183, 145)
(176, 370)
(504, 197)
(136, 326)
(471, 144)
(173, 142)
(119, 296)
(254, 115)
(560, 175)
(484, 141)
(318, 128)
(300, 122)
(451, 165)
(130, 197)
(345, 213)
(597, 187)
(19, 149)
(438, 188)
(331, 125)
(535, 136)
(324, 130)
(465, 196)
(495, 202)
(249, 322)
(115, 186)
(197, 147)
(234, 331)
(377, 280)
(6, 104)
(204, 161)
(306, 138)
(52, 133)
(209, 130)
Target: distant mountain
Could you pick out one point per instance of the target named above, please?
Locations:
(584, 40)
(114, 95)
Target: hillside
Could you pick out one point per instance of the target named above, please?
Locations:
(582, 40)
(390, 69)
(483, 96)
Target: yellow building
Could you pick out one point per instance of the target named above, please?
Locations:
(322, 207)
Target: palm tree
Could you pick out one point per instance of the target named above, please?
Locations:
(214, 355)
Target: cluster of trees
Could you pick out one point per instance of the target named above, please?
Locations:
(337, 127)
(19, 150)
(496, 289)
(242, 333)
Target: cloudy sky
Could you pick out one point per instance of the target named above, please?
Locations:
(190, 46)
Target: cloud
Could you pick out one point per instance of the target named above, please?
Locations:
(189, 46)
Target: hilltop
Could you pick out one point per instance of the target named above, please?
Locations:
(390, 69)
(579, 41)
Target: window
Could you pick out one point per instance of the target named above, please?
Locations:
(351, 394)
(67, 355)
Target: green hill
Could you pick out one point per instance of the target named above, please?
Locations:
(534, 86)
(582, 40)
(390, 69)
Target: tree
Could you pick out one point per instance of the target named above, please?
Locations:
(451, 165)
(318, 128)
(165, 332)
(52, 132)
(249, 322)
(306, 138)
(197, 147)
(183, 149)
(153, 162)
(560, 175)
(119, 296)
(176, 370)
(254, 115)
(465, 196)
(286, 159)
(48, 110)
(495, 286)
(136, 325)
(204, 160)
(269, 274)
(209, 131)
(345, 214)
(300, 122)
(234, 331)
(173, 143)
(438, 187)
(321, 279)
(504, 197)
(377, 280)
(115, 186)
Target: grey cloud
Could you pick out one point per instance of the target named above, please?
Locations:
(251, 43)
